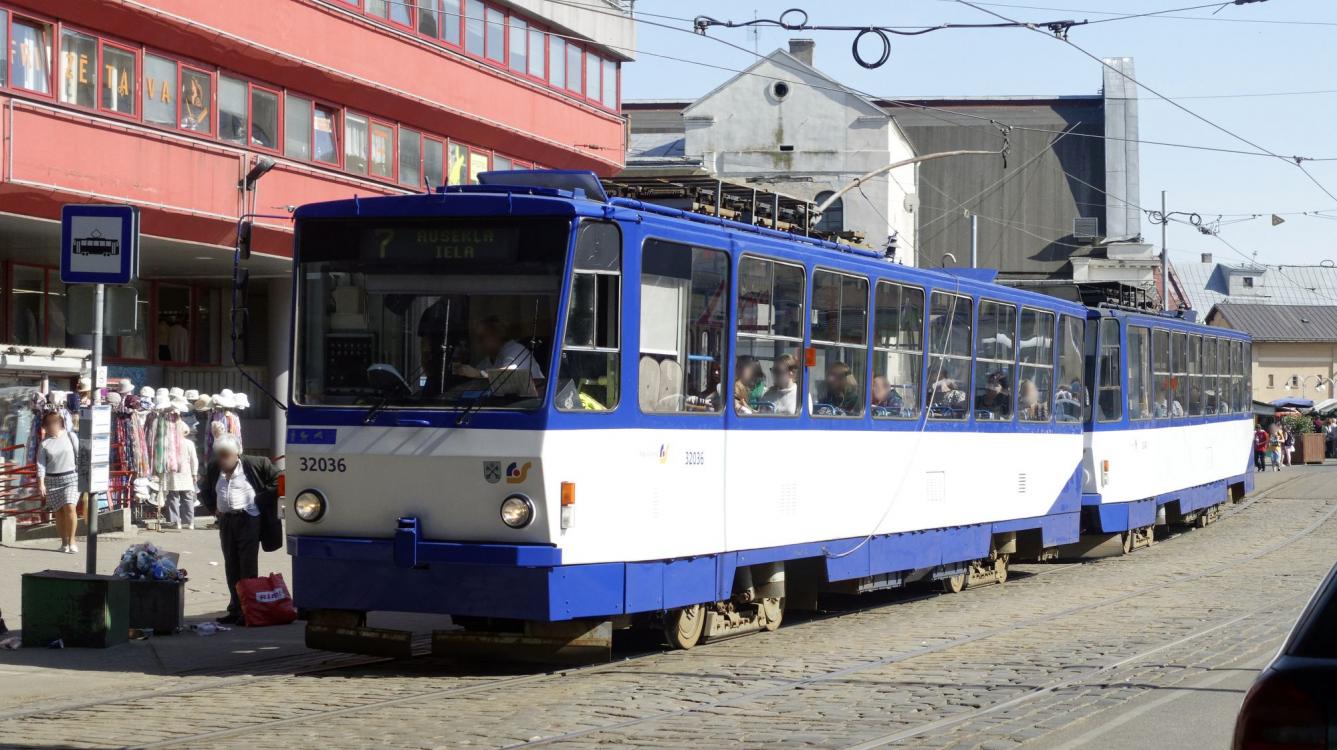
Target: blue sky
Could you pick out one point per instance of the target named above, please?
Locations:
(1262, 48)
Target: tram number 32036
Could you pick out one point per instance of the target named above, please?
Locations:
(322, 464)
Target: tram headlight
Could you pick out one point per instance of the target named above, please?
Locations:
(309, 505)
(517, 511)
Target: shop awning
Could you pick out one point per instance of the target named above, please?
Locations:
(1294, 403)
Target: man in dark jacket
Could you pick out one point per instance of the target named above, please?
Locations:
(242, 492)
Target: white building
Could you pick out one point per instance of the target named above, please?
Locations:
(783, 125)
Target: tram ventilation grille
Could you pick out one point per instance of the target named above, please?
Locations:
(1021, 484)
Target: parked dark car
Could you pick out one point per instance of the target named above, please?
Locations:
(1293, 703)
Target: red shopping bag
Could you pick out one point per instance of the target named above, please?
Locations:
(266, 601)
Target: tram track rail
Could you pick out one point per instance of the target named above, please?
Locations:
(507, 682)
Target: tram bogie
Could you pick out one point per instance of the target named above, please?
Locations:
(523, 405)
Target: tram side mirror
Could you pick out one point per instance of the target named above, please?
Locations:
(244, 231)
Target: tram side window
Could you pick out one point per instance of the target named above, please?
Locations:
(1237, 374)
(1245, 400)
(684, 301)
(950, 319)
(1179, 374)
(1139, 373)
(768, 366)
(1224, 396)
(898, 352)
(1194, 403)
(840, 340)
(995, 351)
(589, 376)
(1111, 388)
(1070, 398)
(1210, 383)
(1035, 376)
(1161, 378)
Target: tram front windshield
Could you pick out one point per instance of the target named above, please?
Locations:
(427, 313)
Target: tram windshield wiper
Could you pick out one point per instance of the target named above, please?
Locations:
(386, 379)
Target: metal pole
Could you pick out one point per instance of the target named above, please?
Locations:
(974, 241)
(1165, 261)
(99, 294)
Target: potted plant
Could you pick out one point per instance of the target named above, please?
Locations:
(1309, 447)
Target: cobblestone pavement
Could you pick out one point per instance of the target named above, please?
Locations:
(1052, 658)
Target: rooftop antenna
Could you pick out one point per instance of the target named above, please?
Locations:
(756, 34)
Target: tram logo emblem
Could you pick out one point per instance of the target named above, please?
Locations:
(516, 473)
(492, 471)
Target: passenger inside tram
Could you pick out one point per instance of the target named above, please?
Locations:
(1029, 405)
(840, 388)
(996, 399)
(883, 396)
(749, 384)
(782, 396)
(947, 395)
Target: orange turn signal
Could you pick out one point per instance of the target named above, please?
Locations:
(1105, 466)
(568, 493)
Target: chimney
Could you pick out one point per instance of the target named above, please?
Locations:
(802, 49)
(1206, 257)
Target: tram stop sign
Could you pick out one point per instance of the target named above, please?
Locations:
(99, 244)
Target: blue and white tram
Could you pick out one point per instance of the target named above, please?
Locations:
(1170, 433)
(529, 404)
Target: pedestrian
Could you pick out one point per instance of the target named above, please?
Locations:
(1330, 437)
(1260, 448)
(1275, 442)
(1288, 441)
(58, 477)
(179, 484)
(242, 492)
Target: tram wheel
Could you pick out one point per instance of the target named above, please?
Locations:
(683, 627)
(1127, 541)
(954, 584)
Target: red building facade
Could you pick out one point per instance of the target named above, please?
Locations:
(166, 104)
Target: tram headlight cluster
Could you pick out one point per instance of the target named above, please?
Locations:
(517, 511)
(309, 505)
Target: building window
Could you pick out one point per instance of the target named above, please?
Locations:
(78, 69)
(27, 305)
(519, 45)
(410, 158)
(573, 72)
(232, 110)
(326, 142)
(451, 20)
(609, 97)
(30, 56)
(355, 143)
(432, 161)
(833, 221)
(118, 76)
(1271, 381)
(593, 73)
(501, 163)
(401, 12)
(496, 35)
(557, 61)
(378, 8)
(197, 99)
(172, 330)
(536, 52)
(382, 150)
(297, 127)
(159, 83)
(473, 27)
(428, 21)
(458, 169)
(4, 45)
(264, 118)
(478, 164)
(1248, 282)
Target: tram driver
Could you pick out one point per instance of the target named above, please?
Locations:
(500, 355)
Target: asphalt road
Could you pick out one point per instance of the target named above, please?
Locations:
(1153, 649)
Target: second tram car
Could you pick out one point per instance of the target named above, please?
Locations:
(525, 404)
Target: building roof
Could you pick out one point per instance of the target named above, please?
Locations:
(1208, 284)
(1280, 323)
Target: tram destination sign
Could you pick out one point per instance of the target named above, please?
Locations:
(459, 243)
(99, 244)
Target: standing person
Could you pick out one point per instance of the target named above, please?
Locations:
(179, 483)
(1260, 448)
(1288, 443)
(1275, 443)
(242, 492)
(1330, 437)
(58, 477)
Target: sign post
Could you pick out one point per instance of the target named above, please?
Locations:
(99, 245)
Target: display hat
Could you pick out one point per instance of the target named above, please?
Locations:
(224, 400)
(146, 392)
(203, 402)
(243, 401)
(179, 404)
(127, 387)
(85, 384)
(175, 392)
(161, 402)
(191, 394)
